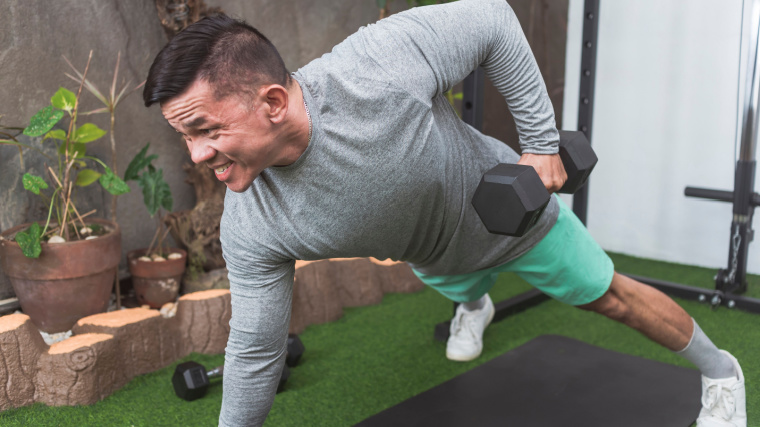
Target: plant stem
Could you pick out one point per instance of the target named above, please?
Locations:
(78, 216)
(73, 221)
(161, 238)
(112, 110)
(95, 159)
(67, 182)
(56, 228)
(50, 212)
(64, 229)
(66, 176)
(113, 164)
(161, 244)
(150, 247)
(21, 144)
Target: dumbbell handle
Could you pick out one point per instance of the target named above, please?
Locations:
(572, 144)
(216, 372)
(511, 197)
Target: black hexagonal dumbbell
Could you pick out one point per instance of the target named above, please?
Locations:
(191, 380)
(295, 350)
(511, 198)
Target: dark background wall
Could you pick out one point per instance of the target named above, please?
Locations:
(36, 34)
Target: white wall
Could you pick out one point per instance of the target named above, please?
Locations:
(665, 117)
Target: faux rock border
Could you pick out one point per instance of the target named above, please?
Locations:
(107, 350)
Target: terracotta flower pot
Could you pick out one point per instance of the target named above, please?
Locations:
(156, 283)
(68, 281)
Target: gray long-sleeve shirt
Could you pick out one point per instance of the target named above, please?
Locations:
(389, 173)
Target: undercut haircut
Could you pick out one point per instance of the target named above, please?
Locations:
(232, 56)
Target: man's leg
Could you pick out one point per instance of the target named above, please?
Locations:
(647, 310)
(658, 317)
(471, 319)
(474, 313)
(571, 267)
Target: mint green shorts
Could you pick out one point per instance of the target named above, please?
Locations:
(567, 264)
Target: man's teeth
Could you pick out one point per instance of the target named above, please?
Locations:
(223, 168)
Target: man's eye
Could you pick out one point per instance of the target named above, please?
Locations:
(206, 132)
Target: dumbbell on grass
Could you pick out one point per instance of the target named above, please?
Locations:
(191, 380)
(511, 198)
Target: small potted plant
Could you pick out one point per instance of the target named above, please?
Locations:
(63, 268)
(156, 270)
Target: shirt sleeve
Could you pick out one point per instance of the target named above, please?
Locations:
(428, 50)
(255, 355)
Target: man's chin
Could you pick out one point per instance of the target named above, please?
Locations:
(238, 188)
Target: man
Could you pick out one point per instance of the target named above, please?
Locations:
(359, 154)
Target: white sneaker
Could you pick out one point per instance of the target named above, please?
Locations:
(724, 400)
(466, 332)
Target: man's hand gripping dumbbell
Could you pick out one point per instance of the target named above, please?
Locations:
(511, 197)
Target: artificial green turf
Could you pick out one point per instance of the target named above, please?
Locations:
(375, 357)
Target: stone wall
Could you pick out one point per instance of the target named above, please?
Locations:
(37, 33)
(35, 36)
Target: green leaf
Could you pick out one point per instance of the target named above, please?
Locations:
(166, 201)
(86, 177)
(33, 183)
(138, 163)
(380, 4)
(156, 192)
(64, 99)
(112, 183)
(88, 132)
(57, 134)
(43, 121)
(76, 150)
(29, 241)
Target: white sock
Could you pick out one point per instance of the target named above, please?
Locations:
(705, 355)
(475, 305)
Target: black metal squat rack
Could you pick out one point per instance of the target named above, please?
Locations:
(729, 282)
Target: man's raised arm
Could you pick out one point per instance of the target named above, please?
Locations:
(428, 50)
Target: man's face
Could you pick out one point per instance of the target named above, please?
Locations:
(233, 137)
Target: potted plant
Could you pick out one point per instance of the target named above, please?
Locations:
(156, 270)
(63, 268)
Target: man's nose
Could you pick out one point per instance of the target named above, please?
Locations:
(200, 152)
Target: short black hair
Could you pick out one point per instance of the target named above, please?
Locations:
(231, 55)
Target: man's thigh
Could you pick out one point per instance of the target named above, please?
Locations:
(567, 264)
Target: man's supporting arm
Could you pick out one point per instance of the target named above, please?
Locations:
(256, 347)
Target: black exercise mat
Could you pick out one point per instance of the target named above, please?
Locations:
(556, 381)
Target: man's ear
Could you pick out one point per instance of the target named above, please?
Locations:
(276, 98)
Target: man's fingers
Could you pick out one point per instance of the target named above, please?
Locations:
(548, 167)
(554, 181)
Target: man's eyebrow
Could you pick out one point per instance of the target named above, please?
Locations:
(194, 123)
